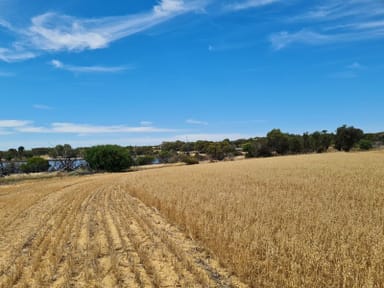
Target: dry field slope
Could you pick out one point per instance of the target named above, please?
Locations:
(299, 221)
(296, 221)
(89, 232)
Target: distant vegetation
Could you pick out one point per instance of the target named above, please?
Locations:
(115, 158)
(110, 158)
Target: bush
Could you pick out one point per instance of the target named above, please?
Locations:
(144, 160)
(35, 164)
(365, 145)
(110, 158)
(189, 160)
(347, 137)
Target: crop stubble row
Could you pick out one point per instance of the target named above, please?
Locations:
(92, 233)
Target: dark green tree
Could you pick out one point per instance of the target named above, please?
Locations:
(365, 145)
(20, 152)
(144, 160)
(2, 168)
(250, 149)
(215, 151)
(316, 142)
(110, 158)
(295, 144)
(347, 137)
(307, 146)
(278, 141)
(11, 154)
(35, 164)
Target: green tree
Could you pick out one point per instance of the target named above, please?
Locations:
(11, 154)
(228, 148)
(316, 142)
(35, 164)
(144, 160)
(110, 158)
(65, 155)
(215, 151)
(347, 137)
(295, 144)
(307, 146)
(2, 168)
(189, 160)
(365, 144)
(20, 152)
(278, 141)
(250, 149)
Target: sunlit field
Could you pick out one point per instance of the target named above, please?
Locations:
(89, 232)
(296, 221)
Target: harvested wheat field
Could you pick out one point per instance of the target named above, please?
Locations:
(297, 221)
(89, 232)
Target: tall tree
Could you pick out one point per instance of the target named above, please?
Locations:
(347, 137)
(65, 155)
(20, 152)
(278, 141)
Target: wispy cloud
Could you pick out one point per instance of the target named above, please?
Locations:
(356, 66)
(350, 71)
(283, 39)
(15, 55)
(42, 107)
(87, 69)
(242, 5)
(334, 21)
(13, 123)
(209, 137)
(196, 122)
(331, 10)
(21, 126)
(51, 32)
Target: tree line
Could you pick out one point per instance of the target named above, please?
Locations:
(115, 158)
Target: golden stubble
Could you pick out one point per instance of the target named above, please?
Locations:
(296, 221)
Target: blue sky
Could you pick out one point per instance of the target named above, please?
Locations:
(142, 72)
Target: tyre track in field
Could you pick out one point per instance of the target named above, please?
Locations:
(93, 233)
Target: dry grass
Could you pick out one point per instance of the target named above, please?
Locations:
(300, 221)
(89, 232)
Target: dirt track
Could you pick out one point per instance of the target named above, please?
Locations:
(89, 232)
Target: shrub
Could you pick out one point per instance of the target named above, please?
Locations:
(35, 164)
(110, 158)
(144, 160)
(189, 160)
(365, 145)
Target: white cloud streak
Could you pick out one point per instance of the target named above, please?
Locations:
(283, 39)
(9, 55)
(42, 107)
(249, 4)
(87, 69)
(335, 21)
(52, 32)
(196, 122)
(21, 126)
(13, 123)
